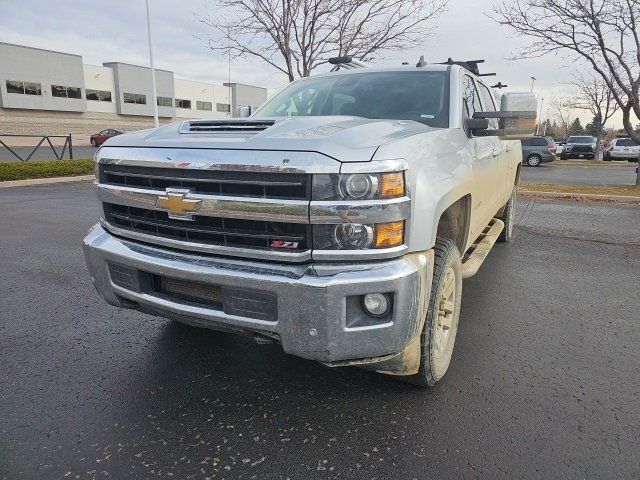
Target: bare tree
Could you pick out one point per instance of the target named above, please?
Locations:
(594, 95)
(296, 36)
(603, 33)
(562, 112)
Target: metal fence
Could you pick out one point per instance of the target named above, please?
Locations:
(43, 138)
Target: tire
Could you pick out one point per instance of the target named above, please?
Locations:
(436, 357)
(93, 142)
(508, 217)
(563, 157)
(534, 160)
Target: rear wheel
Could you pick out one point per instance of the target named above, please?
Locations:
(534, 160)
(441, 324)
(508, 217)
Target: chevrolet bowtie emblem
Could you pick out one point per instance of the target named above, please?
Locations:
(177, 206)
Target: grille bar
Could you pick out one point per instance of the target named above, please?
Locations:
(291, 211)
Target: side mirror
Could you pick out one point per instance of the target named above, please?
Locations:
(516, 118)
(244, 111)
(476, 125)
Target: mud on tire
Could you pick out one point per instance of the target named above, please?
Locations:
(436, 356)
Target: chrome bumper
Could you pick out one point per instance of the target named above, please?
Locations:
(319, 316)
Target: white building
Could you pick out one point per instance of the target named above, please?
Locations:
(43, 92)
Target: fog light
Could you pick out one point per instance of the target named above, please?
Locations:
(376, 304)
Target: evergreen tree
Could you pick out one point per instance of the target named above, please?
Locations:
(594, 128)
(576, 128)
(549, 129)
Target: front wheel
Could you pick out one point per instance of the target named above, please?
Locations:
(94, 142)
(534, 160)
(441, 324)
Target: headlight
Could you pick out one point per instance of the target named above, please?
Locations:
(357, 236)
(358, 186)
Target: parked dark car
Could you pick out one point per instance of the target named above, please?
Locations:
(98, 139)
(579, 147)
(538, 150)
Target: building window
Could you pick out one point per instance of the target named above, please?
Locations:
(99, 95)
(136, 98)
(208, 106)
(61, 91)
(165, 101)
(24, 88)
(223, 107)
(183, 103)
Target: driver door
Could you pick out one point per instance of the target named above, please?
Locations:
(486, 183)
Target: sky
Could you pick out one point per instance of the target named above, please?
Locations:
(115, 30)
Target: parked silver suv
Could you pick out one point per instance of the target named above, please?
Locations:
(623, 148)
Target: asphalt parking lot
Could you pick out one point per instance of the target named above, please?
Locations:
(544, 383)
(624, 174)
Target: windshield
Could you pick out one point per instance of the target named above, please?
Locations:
(420, 96)
(581, 140)
(626, 142)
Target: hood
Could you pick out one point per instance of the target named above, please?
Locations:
(346, 139)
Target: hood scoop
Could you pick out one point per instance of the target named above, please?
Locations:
(225, 126)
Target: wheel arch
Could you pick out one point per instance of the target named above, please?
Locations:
(454, 222)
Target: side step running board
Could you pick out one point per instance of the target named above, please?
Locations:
(478, 251)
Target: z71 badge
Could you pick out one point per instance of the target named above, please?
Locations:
(283, 244)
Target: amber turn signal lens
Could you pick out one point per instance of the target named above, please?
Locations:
(391, 184)
(389, 234)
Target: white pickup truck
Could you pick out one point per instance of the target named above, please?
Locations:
(339, 220)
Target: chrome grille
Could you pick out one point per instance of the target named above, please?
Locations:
(226, 232)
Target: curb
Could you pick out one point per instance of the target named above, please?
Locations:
(597, 165)
(45, 181)
(581, 196)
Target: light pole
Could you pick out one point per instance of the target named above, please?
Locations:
(153, 71)
(533, 80)
(540, 117)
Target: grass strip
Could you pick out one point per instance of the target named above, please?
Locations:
(55, 168)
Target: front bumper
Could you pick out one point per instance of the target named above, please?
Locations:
(318, 316)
